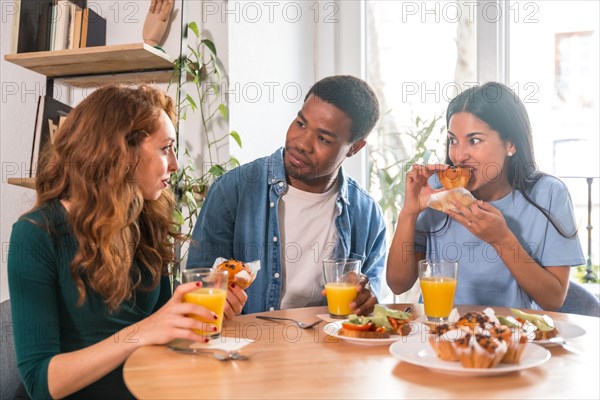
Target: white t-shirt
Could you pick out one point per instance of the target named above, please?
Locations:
(308, 235)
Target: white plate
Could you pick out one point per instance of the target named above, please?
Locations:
(333, 328)
(566, 330)
(417, 351)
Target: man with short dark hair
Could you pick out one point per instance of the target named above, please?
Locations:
(297, 207)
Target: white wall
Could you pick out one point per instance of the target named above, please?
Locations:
(271, 70)
(273, 52)
(278, 50)
(20, 89)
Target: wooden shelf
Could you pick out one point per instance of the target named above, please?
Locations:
(96, 66)
(28, 183)
(149, 77)
(91, 62)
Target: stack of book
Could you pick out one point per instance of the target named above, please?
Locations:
(50, 114)
(41, 25)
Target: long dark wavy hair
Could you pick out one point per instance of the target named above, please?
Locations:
(92, 163)
(499, 107)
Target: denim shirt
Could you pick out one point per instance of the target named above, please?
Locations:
(239, 220)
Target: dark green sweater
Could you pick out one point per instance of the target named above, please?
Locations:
(46, 319)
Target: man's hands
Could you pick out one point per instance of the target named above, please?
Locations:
(236, 298)
(365, 300)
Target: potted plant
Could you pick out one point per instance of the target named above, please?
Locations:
(201, 75)
(392, 156)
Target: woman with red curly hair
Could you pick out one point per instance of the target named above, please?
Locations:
(88, 265)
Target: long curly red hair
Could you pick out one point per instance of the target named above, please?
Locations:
(92, 164)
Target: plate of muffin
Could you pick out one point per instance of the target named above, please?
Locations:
(475, 344)
(415, 351)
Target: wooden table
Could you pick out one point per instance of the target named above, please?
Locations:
(308, 364)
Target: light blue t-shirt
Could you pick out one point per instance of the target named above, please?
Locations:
(483, 278)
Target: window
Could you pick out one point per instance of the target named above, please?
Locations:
(419, 55)
(560, 88)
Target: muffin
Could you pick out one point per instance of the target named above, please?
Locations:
(515, 341)
(442, 339)
(480, 351)
(476, 322)
(239, 272)
(454, 177)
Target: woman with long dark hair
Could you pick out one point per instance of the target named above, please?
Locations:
(515, 243)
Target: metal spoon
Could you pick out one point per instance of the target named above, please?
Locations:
(219, 354)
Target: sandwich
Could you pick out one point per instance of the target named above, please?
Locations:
(383, 323)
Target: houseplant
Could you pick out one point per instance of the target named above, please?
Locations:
(391, 156)
(199, 79)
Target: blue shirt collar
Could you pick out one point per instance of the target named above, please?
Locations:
(276, 175)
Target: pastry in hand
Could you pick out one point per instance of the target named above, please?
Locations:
(239, 273)
(442, 201)
(454, 177)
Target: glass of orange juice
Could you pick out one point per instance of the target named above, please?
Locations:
(438, 285)
(212, 295)
(341, 276)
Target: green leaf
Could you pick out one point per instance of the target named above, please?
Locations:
(224, 110)
(191, 100)
(216, 170)
(211, 46)
(194, 27)
(189, 199)
(234, 162)
(178, 217)
(236, 137)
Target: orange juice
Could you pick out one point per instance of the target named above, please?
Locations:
(438, 295)
(211, 298)
(339, 296)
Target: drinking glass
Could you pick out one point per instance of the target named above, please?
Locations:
(212, 295)
(341, 276)
(438, 285)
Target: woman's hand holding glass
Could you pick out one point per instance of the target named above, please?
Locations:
(174, 321)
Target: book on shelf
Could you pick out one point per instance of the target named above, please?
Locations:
(41, 25)
(93, 29)
(75, 37)
(61, 22)
(50, 114)
(31, 25)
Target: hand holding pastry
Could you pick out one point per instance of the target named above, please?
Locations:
(236, 298)
(418, 191)
(483, 220)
